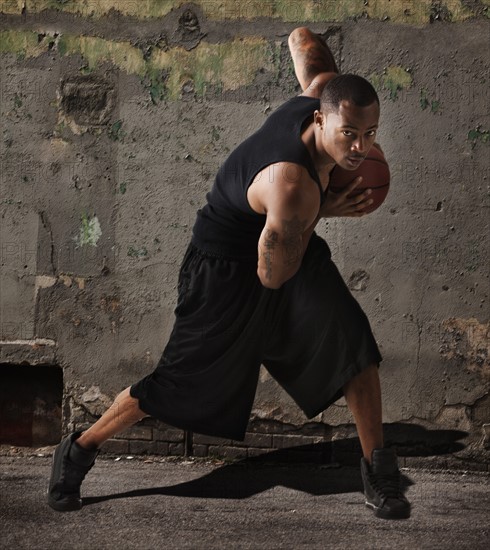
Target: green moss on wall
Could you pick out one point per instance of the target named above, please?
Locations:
(392, 79)
(90, 231)
(11, 6)
(480, 135)
(22, 43)
(99, 8)
(414, 12)
(97, 50)
(425, 102)
(227, 66)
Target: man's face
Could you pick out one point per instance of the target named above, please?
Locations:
(349, 134)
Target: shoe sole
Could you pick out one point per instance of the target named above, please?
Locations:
(378, 512)
(64, 506)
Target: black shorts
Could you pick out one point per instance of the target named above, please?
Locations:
(311, 335)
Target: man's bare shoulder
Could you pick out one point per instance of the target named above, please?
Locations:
(282, 181)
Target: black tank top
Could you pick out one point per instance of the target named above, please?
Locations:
(227, 225)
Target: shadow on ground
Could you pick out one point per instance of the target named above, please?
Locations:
(413, 440)
(306, 468)
(240, 481)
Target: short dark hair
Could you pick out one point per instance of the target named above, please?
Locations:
(351, 87)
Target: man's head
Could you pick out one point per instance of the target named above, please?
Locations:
(348, 119)
(348, 87)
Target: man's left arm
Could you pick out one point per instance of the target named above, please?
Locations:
(311, 56)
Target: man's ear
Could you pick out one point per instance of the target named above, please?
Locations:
(319, 118)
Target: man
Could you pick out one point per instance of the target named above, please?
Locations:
(258, 286)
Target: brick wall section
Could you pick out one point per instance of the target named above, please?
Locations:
(149, 437)
(313, 442)
(275, 442)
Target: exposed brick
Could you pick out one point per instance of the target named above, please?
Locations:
(159, 448)
(115, 446)
(268, 426)
(227, 452)
(316, 429)
(200, 450)
(343, 432)
(282, 441)
(136, 432)
(152, 422)
(168, 434)
(209, 440)
(258, 440)
(254, 440)
(138, 447)
(176, 449)
(155, 423)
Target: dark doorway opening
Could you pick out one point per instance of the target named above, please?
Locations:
(30, 404)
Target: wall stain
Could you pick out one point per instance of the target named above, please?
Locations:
(467, 341)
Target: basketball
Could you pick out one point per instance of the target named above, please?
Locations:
(375, 174)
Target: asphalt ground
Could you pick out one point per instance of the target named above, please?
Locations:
(155, 502)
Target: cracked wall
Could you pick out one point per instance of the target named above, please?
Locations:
(115, 119)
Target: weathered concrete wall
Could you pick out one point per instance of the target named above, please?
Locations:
(115, 117)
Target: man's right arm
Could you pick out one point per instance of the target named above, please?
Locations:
(291, 202)
(292, 205)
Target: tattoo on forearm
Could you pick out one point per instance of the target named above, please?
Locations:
(315, 55)
(314, 63)
(293, 241)
(291, 244)
(271, 239)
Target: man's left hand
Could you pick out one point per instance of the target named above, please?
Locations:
(339, 205)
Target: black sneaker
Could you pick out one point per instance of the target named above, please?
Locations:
(382, 485)
(70, 465)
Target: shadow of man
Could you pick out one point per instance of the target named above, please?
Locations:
(287, 468)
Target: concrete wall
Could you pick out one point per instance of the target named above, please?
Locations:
(115, 117)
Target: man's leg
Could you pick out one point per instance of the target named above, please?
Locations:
(379, 467)
(363, 396)
(76, 454)
(122, 414)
